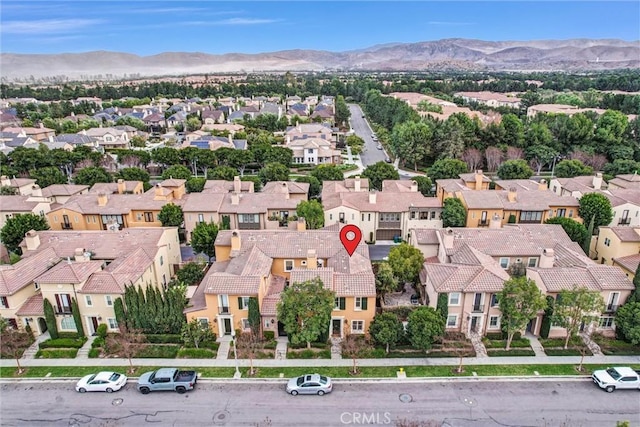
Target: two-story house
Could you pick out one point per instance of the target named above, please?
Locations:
(314, 151)
(262, 263)
(20, 186)
(119, 187)
(11, 206)
(627, 181)
(619, 246)
(381, 215)
(109, 137)
(576, 186)
(308, 130)
(59, 194)
(468, 181)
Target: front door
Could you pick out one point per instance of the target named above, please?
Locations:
(474, 324)
(336, 328)
(42, 324)
(93, 324)
(226, 324)
(281, 331)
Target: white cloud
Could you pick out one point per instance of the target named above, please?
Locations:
(47, 26)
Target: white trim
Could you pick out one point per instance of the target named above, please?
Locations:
(108, 298)
(109, 323)
(497, 326)
(447, 325)
(449, 299)
(358, 331)
(88, 301)
(293, 264)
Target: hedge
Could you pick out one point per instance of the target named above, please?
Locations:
(269, 335)
(515, 343)
(309, 354)
(57, 353)
(497, 336)
(196, 353)
(164, 339)
(515, 352)
(63, 343)
(322, 345)
(158, 351)
(94, 353)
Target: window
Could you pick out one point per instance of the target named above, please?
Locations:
(248, 218)
(360, 303)
(245, 324)
(607, 241)
(68, 324)
(369, 217)
(413, 215)
(424, 215)
(494, 300)
(561, 212)
(87, 299)
(606, 322)
(494, 322)
(203, 322)
(389, 217)
(161, 260)
(113, 324)
(148, 217)
(532, 262)
(243, 303)
(330, 217)
(452, 320)
(454, 298)
(570, 213)
(108, 300)
(433, 214)
(504, 262)
(530, 216)
(357, 326)
(340, 303)
(4, 303)
(36, 286)
(288, 264)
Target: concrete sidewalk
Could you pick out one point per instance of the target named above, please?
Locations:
(274, 363)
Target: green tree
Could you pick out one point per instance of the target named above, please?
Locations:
(539, 156)
(17, 226)
(514, 169)
(77, 317)
(118, 309)
(195, 185)
(191, 273)
(327, 173)
(577, 232)
(133, 174)
(622, 167)
(386, 329)
(312, 212)
(177, 172)
(48, 176)
(514, 130)
(314, 185)
(406, 262)
(520, 301)
(385, 280)
(195, 333)
(305, 310)
(453, 213)
(254, 316)
(138, 141)
(193, 124)
(342, 111)
(596, 206)
(447, 169)
(92, 175)
(379, 172)
(635, 295)
(50, 319)
(572, 168)
(545, 326)
(171, 215)
(576, 307)
(424, 326)
(203, 238)
(412, 142)
(225, 173)
(424, 185)
(628, 322)
(442, 305)
(274, 172)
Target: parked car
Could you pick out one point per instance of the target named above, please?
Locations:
(388, 160)
(309, 384)
(379, 146)
(102, 381)
(611, 379)
(167, 379)
(415, 299)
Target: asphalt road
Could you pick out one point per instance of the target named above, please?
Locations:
(542, 403)
(360, 126)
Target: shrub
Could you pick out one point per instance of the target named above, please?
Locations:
(270, 345)
(63, 343)
(516, 343)
(101, 332)
(164, 339)
(196, 353)
(211, 345)
(309, 354)
(57, 353)
(158, 351)
(497, 336)
(402, 312)
(269, 335)
(97, 343)
(563, 352)
(505, 353)
(94, 353)
(67, 335)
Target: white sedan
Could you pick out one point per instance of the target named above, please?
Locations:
(102, 381)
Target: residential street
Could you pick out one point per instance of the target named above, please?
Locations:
(360, 126)
(452, 404)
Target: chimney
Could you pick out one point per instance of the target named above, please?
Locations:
(547, 258)
(235, 198)
(5, 181)
(312, 259)
(448, 238)
(478, 177)
(495, 222)
(301, 225)
(79, 255)
(511, 195)
(158, 191)
(285, 190)
(235, 240)
(542, 185)
(36, 191)
(288, 139)
(237, 184)
(356, 184)
(32, 240)
(121, 186)
(372, 197)
(414, 187)
(102, 199)
(597, 181)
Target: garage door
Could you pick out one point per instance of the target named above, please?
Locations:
(387, 234)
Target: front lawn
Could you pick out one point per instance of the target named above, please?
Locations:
(555, 347)
(158, 351)
(514, 352)
(308, 354)
(515, 343)
(614, 347)
(57, 353)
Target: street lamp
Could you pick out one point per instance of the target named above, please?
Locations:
(553, 168)
(237, 374)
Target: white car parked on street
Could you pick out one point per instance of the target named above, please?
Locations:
(102, 381)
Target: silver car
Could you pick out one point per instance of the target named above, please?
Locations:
(309, 384)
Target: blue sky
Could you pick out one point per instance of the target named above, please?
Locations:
(150, 27)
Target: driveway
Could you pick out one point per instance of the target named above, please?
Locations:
(361, 127)
(379, 252)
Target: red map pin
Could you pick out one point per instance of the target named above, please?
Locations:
(350, 236)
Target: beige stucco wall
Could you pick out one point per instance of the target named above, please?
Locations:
(191, 220)
(16, 300)
(616, 248)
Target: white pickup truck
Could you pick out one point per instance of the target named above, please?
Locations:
(611, 379)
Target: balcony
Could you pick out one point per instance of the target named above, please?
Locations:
(624, 221)
(59, 311)
(249, 226)
(477, 308)
(389, 224)
(223, 310)
(483, 223)
(66, 226)
(611, 308)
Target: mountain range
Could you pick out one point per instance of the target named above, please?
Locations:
(447, 54)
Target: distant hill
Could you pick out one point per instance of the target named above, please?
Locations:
(452, 54)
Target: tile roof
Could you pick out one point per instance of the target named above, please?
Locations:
(471, 177)
(117, 204)
(525, 200)
(70, 272)
(16, 204)
(198, 300)
(202, 202)
(119, 273)
(271, 299)
(519, 184)
(63, 190)
(596, 278)
(626, 181)
(286, 186)
(626, 234)
(112, 187)
(577, 183)
(299, 275)
(464, 278)
(630, 262)
(425, 236)
(384, 201)
(231, 285)
(257, 203)
(361, 284)
(16, 276)
(626, 195)
(33, 306)
(219, 186)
